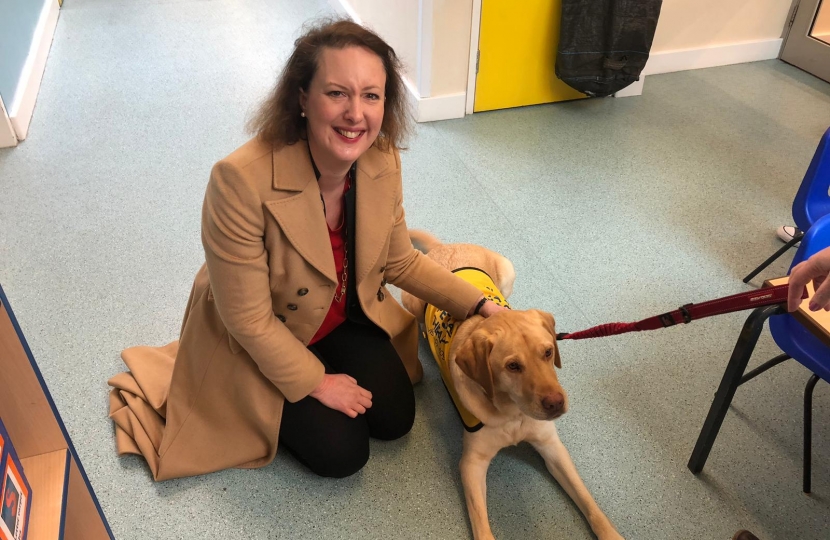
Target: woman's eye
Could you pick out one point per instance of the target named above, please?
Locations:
(373, 97)
(336, 93)
(548, 353)
(514, 366)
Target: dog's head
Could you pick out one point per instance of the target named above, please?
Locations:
(513, 353)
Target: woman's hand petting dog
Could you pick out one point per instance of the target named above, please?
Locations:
(487, 309)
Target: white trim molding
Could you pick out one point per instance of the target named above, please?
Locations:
(430, 109)
(443, 107)
(704, 57)
(23, 104)
(717, 55)
(7, 135)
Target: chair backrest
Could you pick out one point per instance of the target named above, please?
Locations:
(813, 197)
(815, 239)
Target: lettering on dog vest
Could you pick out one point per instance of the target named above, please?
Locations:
(440, 331)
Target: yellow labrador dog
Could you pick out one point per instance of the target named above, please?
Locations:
(502, 368)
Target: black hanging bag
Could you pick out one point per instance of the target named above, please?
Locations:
(604, 44)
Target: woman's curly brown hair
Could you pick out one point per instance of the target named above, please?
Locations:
(278, 120)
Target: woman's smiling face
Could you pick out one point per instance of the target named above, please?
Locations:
(344, 105)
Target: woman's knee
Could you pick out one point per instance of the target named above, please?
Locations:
(326, 441)
(342, 462)
(394, 418)
(339, 449)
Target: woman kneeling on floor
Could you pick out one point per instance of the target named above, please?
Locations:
(289, 334)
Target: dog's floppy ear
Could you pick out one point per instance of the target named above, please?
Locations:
(472, 358)
(550, 326)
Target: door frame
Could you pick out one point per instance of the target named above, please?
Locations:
(801, 18)
(472, 67)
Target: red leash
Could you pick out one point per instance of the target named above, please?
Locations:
(690, 312)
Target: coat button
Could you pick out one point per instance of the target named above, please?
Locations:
(281, 318)
(292, 307)
(303, 291)
(381, 296)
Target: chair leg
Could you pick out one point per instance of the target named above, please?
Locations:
(729, 384)
(796, 239)
(808, 431)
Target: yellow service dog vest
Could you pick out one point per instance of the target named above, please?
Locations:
(440, 331)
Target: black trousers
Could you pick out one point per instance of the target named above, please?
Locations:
(327, 441)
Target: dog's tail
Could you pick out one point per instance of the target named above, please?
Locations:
(422, 240)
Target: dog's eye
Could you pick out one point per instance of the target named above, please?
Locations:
(515, 367)
(548, 352)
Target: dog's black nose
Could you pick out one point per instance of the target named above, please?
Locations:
(553, 402)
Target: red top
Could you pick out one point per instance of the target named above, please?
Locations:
(337, 310)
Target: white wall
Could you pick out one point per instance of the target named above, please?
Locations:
(26, 76)
(396, 21)
(692, 24)
(432, 38)
(18, 23)
(693, 34)
(690, 34)
(451, 45)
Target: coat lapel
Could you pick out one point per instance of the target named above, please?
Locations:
(375, 206)
(300, 213)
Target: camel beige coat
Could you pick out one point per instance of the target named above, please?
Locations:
(213, 400)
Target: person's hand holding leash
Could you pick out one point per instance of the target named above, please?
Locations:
(815, 269)
(342, 393)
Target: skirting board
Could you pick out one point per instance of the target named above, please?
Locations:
(719, 55)
(23, 106)
(706, 57)
(435, 108)
(7, 136)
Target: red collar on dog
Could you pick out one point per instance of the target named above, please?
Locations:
(686, 314)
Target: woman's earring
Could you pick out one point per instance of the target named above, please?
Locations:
(302, 113)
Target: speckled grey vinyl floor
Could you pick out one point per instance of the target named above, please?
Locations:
(612, 210)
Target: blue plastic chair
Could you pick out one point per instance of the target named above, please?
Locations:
(794, 340)
(799, 343)
(811, 202)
